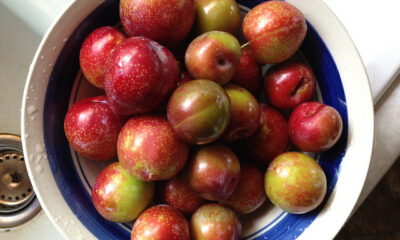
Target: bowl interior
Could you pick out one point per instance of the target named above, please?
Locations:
(74, 175)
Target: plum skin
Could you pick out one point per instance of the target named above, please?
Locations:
(295, 182)
(199, 111)
(149, 149)
(118, 196)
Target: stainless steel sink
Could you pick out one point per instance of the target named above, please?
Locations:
(23, 24)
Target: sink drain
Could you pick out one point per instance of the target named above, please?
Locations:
(18, 203)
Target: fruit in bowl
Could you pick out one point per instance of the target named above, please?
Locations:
(214, 56)
(94, 53)
(295, 182)
(149, 149)
(92, 128)
(158, 20)
(139, 74)
(73, 164)
(213, 221)
(213, 172)
(199, 111)
(315, 127)
(118, 196)
(275, 31)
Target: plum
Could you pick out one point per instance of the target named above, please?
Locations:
(314, 126)
(161, 222)
(139, 74)
(295, 182)
(118, 196)
(213, 221)
(149, 149)
(249, 194)
(213, 171)
(165, 21)
(176, 193)
(92, 128)
(288, 84)
(271, 138)
(245, 114)
(94, 53)
(199, 111)
(248, 74)
(275, 31)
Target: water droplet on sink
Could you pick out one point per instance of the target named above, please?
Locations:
(56, 219)
(42, 57)
(38, 159)
(39, 148)
(33, 118)
(53, 48)
(50, 64)
(44, 70)
(31, 109)
(26, 135)
(64, 40)
(39, 168)
(66, 222)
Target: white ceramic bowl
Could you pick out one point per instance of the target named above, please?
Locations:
(62, 179)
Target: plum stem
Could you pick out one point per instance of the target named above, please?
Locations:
(245, 45)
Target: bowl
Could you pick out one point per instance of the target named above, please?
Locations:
(62, 179)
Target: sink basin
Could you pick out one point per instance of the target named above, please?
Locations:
(23, 24)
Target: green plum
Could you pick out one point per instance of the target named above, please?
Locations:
(295, 182)
(220, 15)
(213, 221)
(118, 196)
(199, 111)
(245, 114)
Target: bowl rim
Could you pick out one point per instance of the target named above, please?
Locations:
(348, 62)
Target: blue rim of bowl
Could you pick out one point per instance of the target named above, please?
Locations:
(285, 226)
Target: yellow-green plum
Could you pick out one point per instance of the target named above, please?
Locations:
(199, 111)
(275, 31)
(118, 196)
(221, 15)
(213, 221)
(245, 114)
(295, 182)
(214, 56)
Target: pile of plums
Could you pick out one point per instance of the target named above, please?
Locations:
(189, 112)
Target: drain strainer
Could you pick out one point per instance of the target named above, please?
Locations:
(18, 203)
(15, 187)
